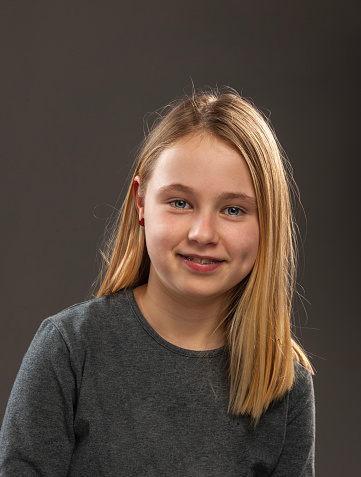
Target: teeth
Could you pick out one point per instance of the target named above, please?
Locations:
(202, 261)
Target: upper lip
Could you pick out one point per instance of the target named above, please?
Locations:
(201, 257)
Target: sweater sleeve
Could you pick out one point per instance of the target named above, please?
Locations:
(297, 457)
(37, 435)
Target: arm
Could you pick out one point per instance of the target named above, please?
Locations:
(37, 435)
(297, 458)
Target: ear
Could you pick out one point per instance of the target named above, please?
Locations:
(138, 199)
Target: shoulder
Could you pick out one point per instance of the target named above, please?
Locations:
(303, 379)
(301, 395)
(89, 320)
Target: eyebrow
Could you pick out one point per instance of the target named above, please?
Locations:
(178, 187)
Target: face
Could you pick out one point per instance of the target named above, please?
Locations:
(201, 219)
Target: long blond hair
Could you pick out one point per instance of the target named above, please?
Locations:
(258, 320)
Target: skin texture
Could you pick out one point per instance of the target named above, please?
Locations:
(200, 204)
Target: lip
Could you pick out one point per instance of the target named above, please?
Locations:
(199, 267)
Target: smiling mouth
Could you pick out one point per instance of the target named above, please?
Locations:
(202, 261)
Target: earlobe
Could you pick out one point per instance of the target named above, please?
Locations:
(138, 199)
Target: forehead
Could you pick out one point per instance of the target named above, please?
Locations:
(204, 163)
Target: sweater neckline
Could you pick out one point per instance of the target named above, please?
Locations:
(160, 340)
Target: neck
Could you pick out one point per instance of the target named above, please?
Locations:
(190, 324)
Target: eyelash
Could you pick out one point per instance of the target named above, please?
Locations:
(239, 210)
(179, 200)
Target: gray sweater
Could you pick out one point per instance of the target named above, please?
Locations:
(100, 393)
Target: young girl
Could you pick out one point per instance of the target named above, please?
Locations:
(184, 364)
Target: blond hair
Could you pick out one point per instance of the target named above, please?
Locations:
(257, 323)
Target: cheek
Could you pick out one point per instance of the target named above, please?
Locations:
(160, 238)
(163, 229)
(247, 246)
(253, 242)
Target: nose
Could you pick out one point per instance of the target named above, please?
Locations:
(204, 230)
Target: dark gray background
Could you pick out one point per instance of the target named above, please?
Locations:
(76, 81)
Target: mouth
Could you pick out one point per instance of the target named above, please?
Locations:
(201, 260)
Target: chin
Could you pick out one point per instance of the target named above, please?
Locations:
(200, 293)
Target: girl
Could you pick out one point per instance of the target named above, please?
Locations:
(184, 364)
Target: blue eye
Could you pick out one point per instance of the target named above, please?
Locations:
(179, 204)
(233, 211)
